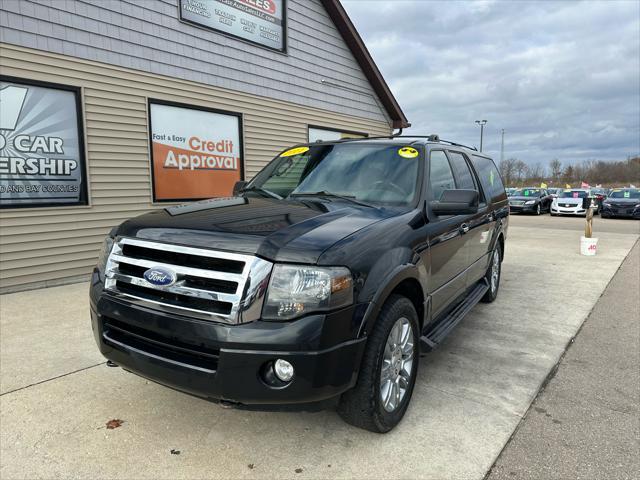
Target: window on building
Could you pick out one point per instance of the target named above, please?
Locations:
(317, 134)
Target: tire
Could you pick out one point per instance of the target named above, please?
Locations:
(492, 293)
(538, 209)
(364, 406)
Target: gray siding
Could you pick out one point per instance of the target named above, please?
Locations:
(146, 35)
(46, 246)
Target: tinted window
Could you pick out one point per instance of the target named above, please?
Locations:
(440, 174)
(489, 178)
(288, 175)
(374, 173)
(574, 194)
(527, 192)
(625, 194)
(463, 174)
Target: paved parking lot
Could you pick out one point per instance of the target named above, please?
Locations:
(57, 395)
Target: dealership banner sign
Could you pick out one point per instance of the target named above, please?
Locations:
(258, 21)
(196, 153)
(41, 145)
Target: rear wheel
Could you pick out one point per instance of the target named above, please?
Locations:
(388, 373)
(493, 275)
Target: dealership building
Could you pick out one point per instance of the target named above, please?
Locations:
(110, 108)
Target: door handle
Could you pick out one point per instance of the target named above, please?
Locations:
(464, 228)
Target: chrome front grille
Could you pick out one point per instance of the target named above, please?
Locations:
(516, 203)
(212, 285)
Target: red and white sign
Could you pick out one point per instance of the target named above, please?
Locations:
(195, 152)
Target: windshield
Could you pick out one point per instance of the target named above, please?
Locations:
(625, 194)
(378, 174)
(574, 194)
(527, 192)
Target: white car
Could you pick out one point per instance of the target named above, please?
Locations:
(572, 202)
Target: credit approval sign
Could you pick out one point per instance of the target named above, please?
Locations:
(196, 153)
(258, 21)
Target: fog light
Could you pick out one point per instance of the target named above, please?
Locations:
(284, 370)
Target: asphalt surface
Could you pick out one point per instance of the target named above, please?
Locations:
(586, 422)
(605, 225)
(57, 396)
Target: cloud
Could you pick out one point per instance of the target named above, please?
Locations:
(562, 78)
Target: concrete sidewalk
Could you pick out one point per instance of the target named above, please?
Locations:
(471, 393)
(586, 422)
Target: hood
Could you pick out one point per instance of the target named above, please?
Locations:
(622, 201)
(571, 201)
(522, 198)
(278, 230)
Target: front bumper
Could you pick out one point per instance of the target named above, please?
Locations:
(620, 211)
(227, 362)
(522, 208)
(557, 210)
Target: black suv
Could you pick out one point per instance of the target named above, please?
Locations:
(320, 281)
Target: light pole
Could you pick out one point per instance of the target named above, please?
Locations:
(502, 147)
(482, 123)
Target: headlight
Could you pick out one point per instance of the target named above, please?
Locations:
(606, 204)
(529, 202)
(107, 245)
(296, 290)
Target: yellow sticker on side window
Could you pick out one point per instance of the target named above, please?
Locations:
(408, 152)
(294, 151)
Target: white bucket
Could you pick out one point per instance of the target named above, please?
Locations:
(588, 246)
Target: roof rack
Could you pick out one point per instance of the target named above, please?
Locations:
(430, 138)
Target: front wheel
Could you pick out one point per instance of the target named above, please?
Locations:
(493, 275)
(388, 373)
(538, 210)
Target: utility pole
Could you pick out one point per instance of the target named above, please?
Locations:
(502, 147)
(482, 123)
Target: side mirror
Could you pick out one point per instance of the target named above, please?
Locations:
(456, 202)
(238, 187)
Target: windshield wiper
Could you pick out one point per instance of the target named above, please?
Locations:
(324, 193)
(262, 190)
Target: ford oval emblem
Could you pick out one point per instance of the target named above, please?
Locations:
(160, 276)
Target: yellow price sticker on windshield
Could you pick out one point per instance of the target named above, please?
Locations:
(294, 151)
(408, 152)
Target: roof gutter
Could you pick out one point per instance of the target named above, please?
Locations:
(353, 40)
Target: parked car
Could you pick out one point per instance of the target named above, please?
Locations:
(554, 191)
(622, 202)
(573, 201)
(530, 200)
(321, 280)
(599, 195)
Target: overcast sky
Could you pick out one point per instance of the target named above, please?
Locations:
(562, 78)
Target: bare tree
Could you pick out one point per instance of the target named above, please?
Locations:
(522, 170)
(556, 169)
(508, 170)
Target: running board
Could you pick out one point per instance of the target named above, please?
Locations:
(437, 333)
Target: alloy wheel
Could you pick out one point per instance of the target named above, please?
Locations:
(397, 363)
(495, 270)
